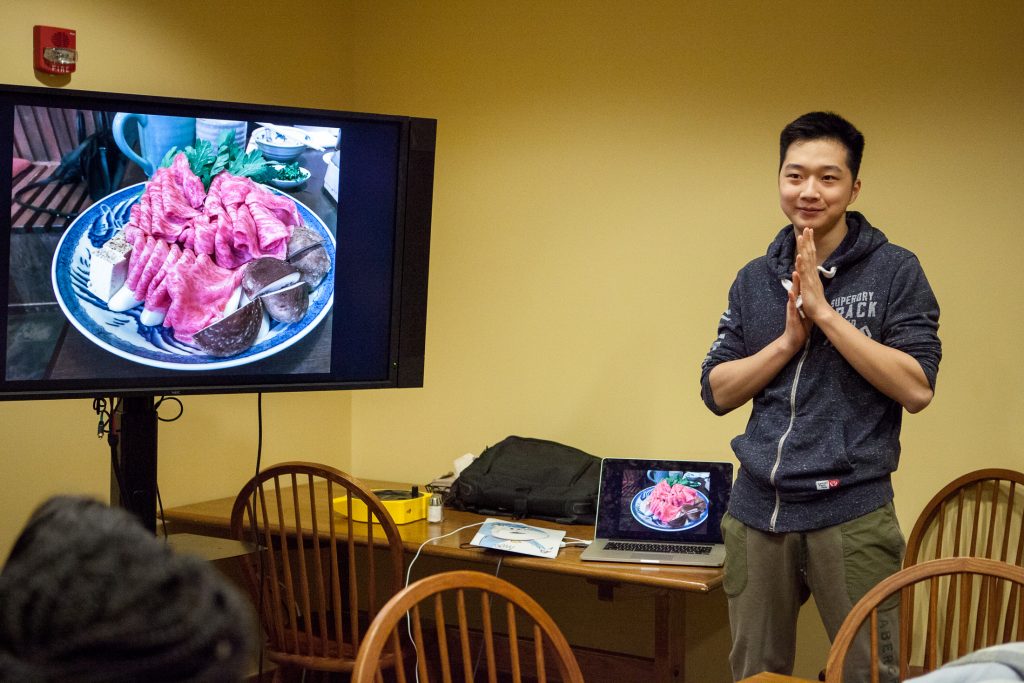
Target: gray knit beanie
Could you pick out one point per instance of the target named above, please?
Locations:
(87, 594)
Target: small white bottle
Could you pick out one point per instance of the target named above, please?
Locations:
(435, 509)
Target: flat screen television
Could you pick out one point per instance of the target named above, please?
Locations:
(157, 246)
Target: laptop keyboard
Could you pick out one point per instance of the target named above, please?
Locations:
(659, 547)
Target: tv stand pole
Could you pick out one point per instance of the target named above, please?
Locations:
(135, 459)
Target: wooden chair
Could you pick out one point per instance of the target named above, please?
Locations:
(947, 607)
(313, 591)
(978, 515)
(441, 650)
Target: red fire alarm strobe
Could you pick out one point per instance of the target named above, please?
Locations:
(55, 51)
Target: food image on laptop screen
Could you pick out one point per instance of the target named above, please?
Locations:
(672, 500)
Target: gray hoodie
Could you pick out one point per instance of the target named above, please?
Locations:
(821, 443)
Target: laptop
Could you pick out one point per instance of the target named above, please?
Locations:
(661, 512)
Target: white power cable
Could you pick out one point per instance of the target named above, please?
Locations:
(408, 576)
(408, 572)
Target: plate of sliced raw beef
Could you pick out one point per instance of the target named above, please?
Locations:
(147, 272)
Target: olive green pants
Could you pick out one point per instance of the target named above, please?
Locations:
(769, 576)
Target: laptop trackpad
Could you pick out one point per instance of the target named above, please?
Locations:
(657, 557)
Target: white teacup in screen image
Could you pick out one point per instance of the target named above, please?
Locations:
(211, 130)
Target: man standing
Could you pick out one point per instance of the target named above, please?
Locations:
(832, 334)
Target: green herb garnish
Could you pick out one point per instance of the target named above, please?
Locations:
(291, 171)
(674, 479)
(206, 161)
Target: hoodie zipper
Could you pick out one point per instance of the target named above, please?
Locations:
(782, 439)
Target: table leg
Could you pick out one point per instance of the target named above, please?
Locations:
(669, 636)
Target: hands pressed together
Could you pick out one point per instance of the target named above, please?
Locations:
(893, 372)
(807, 288)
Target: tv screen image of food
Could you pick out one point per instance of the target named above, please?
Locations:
(211, 251)
(666, 500)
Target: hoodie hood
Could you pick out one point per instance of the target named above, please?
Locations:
(861, 239)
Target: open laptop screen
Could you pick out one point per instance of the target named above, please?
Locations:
(663, 500)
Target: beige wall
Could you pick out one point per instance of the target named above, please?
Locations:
(603, 171)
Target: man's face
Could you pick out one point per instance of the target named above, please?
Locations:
(816, 185)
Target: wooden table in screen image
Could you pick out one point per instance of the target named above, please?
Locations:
(766, 677)
(670, 584)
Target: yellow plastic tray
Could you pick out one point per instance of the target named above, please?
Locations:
(402, 511)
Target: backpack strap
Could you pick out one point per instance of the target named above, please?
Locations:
(89, 161)
(520, 502)
(67, 215)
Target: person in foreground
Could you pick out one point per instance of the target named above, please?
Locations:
(87, 594)
(831, 335)
(1002, 663)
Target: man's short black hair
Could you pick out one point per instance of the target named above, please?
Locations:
(819, 125)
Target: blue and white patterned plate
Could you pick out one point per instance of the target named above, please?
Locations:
(638, 507)
(122, 333)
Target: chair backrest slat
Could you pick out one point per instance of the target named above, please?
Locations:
(371, 570)
(1015, 601)
(906, 623)
(994, 530)
(949, 624)
(538, 653)
(931, 637)
(488, 634)
(467, 656)
(1008, 521)
(322, 639)
(277, 622)
(940, 532)
(339, 632)
(301, 576)
(396, 646)
(874, 644)
(513, 642)
(291, 606)
(441, 633)
(997, 597)
(958, 537)
(353, 586)
(973, 611)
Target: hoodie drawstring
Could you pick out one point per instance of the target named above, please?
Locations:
(787, 284)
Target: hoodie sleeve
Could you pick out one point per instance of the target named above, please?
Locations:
(728, 345)
(912, 320)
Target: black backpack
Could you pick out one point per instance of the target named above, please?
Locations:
(96, 160)
(525, 477)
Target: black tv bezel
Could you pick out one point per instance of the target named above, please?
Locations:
(411, 248)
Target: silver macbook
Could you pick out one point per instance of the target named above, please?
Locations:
(661, 512)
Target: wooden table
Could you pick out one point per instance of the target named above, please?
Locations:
(671, 584)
